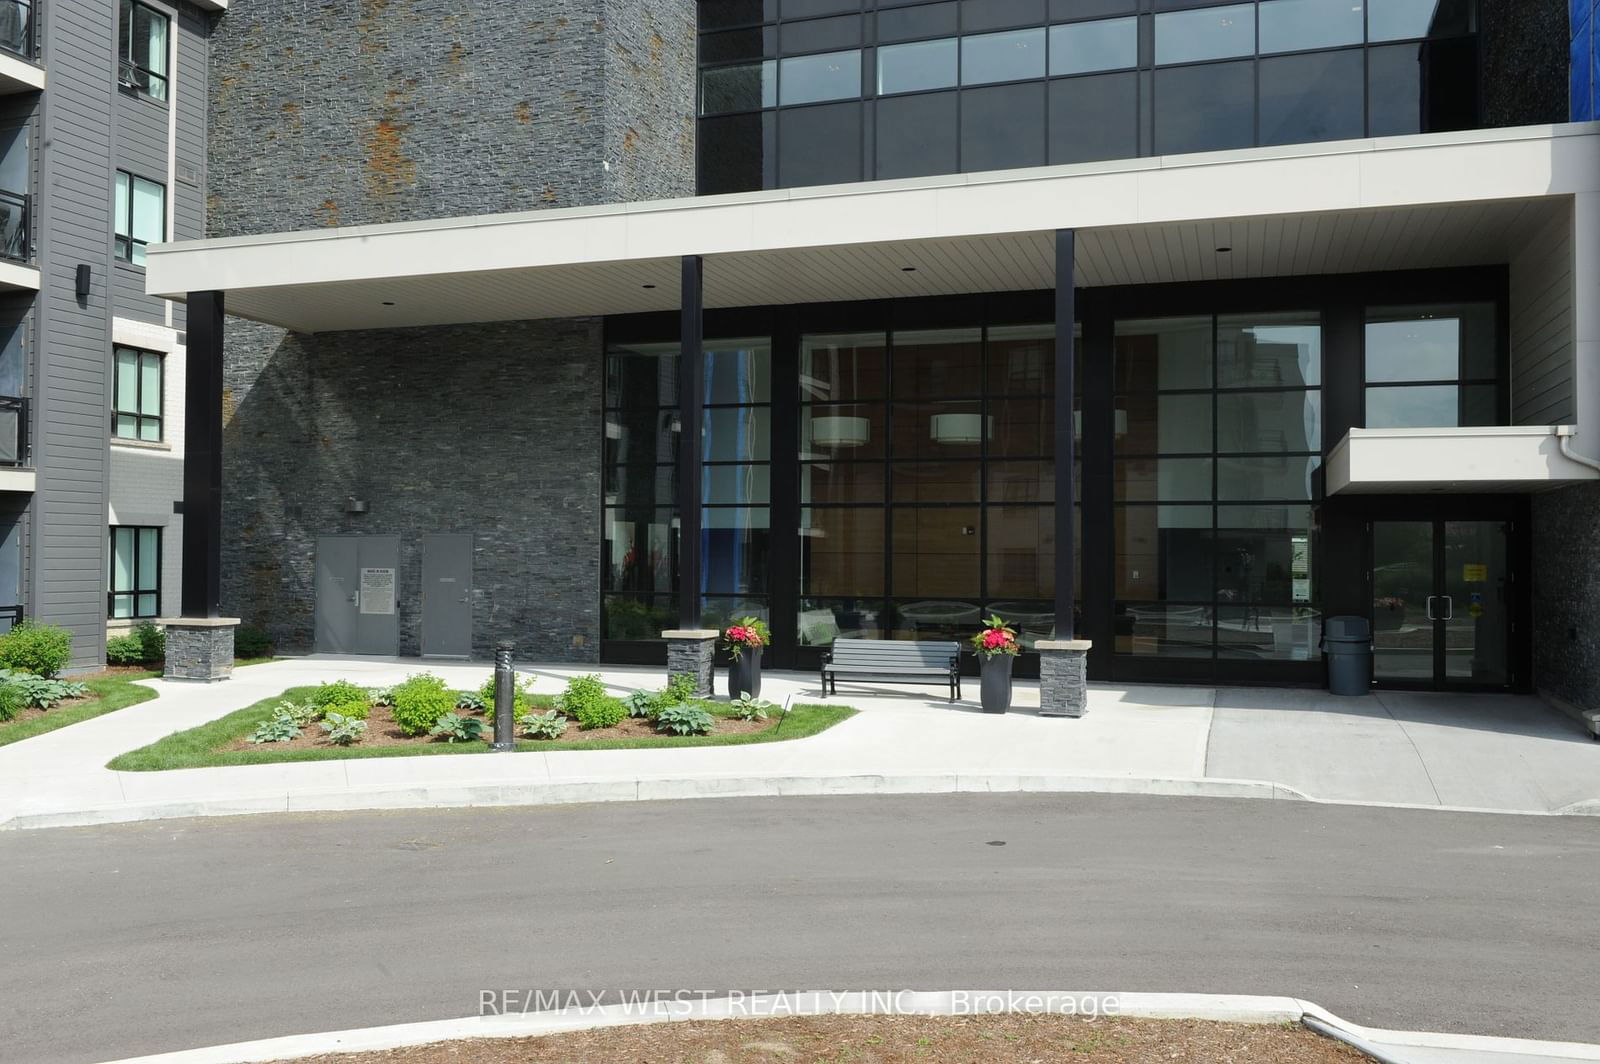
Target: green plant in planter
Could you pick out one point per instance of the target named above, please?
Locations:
(343, 730)
(420, 702)
(547, 725)
(454, 728)
(279, 729)
(747, 708)
(684, 719)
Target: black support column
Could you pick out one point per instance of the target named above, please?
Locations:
(1066, 479)
(202, 463)
(691, 403)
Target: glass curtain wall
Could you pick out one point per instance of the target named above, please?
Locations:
(1432, 366)
(927, 484)
(640, 552)
(1217, 439)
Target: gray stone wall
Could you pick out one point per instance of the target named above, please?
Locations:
(1523, 56)
(492, 430)
(1566, 583)
(350, 112)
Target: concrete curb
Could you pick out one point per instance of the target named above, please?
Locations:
(1462, 1049)
(520, 792)
(456, 795)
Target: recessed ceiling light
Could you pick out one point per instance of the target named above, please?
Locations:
(388, 302)
(647, 286)
(1224, 249)
(908, 269)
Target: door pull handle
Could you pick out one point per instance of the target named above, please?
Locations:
(1431, 617)
(1449, 604)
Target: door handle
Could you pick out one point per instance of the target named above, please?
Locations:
(1431, 617)
(1450, 605)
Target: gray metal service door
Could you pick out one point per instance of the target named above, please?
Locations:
(447, 596)
(357, 588)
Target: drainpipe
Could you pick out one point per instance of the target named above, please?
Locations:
(1564, 434)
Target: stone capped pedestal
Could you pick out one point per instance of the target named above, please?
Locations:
(1063, 677)
(199, 648)
(692, 651)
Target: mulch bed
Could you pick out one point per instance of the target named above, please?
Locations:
(34, 712)
(1008, 1039)
(383, 731)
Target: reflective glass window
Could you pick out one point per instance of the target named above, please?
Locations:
(1204, 108)
(917, 66)
(1002, 127)
(1205, 33)
(1312, 97)
(819, 145)
(920, 20)
(813, 78)
(991, 57)
(979, 15)
(1093, 118)
(1085, 47)
(1295, 25)
(917, 135)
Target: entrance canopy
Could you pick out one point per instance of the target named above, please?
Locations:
(1395, 203)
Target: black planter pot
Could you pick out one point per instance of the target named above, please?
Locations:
(995, 682)
(744, 674)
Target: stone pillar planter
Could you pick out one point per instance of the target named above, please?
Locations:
(1063, 677)
(994, 681)
(199, 648)
(744, 673)
(690, 651)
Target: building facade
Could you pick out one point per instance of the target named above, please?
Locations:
(1306, 289)
(102, 154)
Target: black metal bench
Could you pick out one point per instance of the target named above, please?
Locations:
(892, 661)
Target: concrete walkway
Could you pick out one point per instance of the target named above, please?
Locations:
(1475, 752)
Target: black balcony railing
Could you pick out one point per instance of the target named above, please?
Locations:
(13, 431)
(10, 617)
(16, 27)
(14, 224)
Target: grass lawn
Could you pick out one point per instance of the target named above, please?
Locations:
(207, 745)
(105, 694)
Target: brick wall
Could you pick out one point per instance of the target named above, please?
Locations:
(349, 113)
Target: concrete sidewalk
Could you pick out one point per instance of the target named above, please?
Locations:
(1475, 752)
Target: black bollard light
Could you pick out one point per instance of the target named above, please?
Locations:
(505, 691)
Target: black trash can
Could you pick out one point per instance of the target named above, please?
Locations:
(1347, 641)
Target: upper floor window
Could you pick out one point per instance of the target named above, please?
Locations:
(16, 27)
(1432, 366)
(14, 183)
(142, 49)
(141, 216)
(135, 585)
(136, 401)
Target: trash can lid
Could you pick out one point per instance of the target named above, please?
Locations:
(1346, 629)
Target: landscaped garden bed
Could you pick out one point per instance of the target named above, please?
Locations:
(35, 698)
(423, 716)
(1004, 1039)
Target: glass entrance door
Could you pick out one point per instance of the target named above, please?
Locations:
(1441, 603)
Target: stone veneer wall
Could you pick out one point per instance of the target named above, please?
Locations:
(349, 112)
(1566, 586)
(1523, 56)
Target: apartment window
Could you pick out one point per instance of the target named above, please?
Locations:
(142, 46)
(1432, 366)
(141, 216)
(136, 404)
(135, 584)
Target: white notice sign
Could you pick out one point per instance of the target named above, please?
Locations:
(377, 591)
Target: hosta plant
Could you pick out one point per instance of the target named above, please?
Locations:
(41, 692)
(280, 728)
(381, 696)
(302, 713)
(471, 701)
(639, 704)
(747, 708)
(343, 730)
(686, 718)
(547, 725)
(454, 728)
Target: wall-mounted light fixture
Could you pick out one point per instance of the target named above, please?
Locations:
(961, 428)
(840, 431)
(353, 505)
(84, 277)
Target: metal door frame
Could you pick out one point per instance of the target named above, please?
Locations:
(422, 612)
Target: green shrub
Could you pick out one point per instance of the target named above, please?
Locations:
(639, 703)
(124, 650)
(748, 708)
(343, 730)
(470, 700)
(12, 701)
(680, 688)
(41, 692)
(684, 719)
(280, 729)
(355, 709)
(585, 701)
(520, 701)
(251, 642)
(336, 692)
(144, 645)
(548, 725)
(420, 701)
(42, 649)
(458, 729)
(302, 713)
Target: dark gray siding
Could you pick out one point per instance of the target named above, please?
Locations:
(140, 147)
(69, 512)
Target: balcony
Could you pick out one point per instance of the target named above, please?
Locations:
(16, 269)
(18, 71)
(14, 455)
